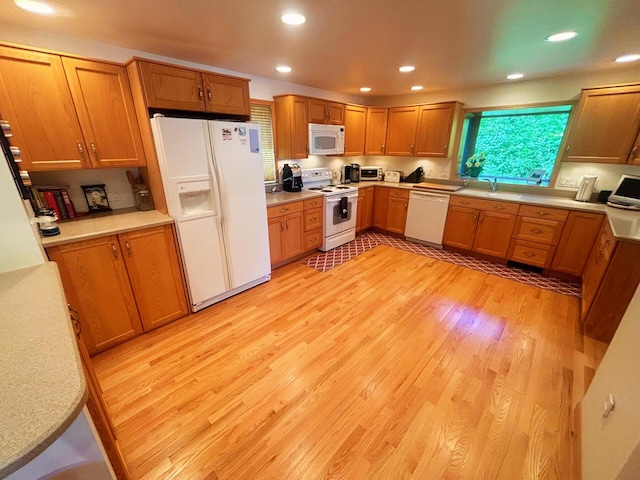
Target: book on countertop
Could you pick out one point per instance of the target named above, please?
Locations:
(51, 202)
(60, 202)
(71, 211)
(56, 197)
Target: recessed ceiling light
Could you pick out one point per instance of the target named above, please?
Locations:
(632, 57)
(515, 76)
(34, 7)
(293, 18)
(283, 69)
(417, 87)
(365, 89)
(562, 36)
(407, 68)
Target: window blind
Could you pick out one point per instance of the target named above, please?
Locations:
(261, 114)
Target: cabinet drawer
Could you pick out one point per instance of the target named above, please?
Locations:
(313, 239)
(312, 219)
(540, 231)
(287, 208)
(398, 193)
(313, 203)
(488, 205)
(545, 213)
(531, 253)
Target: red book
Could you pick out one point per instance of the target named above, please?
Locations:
(68, 203)
(51, 202)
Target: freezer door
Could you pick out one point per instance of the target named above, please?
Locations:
(203, 258)
(238, 166)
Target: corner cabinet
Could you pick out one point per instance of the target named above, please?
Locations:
(67, 113)
(176, 88)
(605, 127)
(122, 285)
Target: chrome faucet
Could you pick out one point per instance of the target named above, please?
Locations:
(494, 184)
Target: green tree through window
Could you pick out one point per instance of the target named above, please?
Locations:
(515, 142)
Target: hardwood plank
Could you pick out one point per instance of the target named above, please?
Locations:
(392, 365)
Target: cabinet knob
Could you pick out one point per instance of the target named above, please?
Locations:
(284, 209)
(536, 230)
(464, 202)
(499, 207)
(114, 250)
(567, 149)
(126, 244)
(200, 94)
(445, 147)
(95, 149)
(481, 218)
(530, 254)
(542, 213)
(80, 149)
(382, 148)
(209, 96)
(635, 149)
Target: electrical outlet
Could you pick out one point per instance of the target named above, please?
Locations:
(564, 182)
(428, 172)
(569, 182)
(113, 194)
(445, 173)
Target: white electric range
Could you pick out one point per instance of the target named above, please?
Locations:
(340, 205)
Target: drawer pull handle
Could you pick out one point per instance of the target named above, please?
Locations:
(464, 202)
(499, 207)
(536, 230)
(607, 242)
(599, 257)
(313, 219)
(542, 213)
(126, 244)
(284, 209)
(80, 149)
(95, 150)
(530, 254)
(115, 251)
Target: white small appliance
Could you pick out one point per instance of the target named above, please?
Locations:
(326, 139)
(392, 176)
(213, 180)
(340, 206)
(586, 188)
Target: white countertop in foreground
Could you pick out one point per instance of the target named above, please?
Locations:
(97, 226)
(42, 385)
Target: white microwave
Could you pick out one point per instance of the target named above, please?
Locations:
(326, 139)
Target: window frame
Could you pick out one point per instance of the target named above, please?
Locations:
(271, 104)
(478, 110)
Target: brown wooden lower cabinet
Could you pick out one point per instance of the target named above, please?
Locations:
(122, 285)
(294, 228)
(610, 279)
(380, 198)
(364, 219)
(578, 237)
(397, 205)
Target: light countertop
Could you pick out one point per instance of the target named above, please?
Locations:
(97, 226)
(625, 224)
(42, 384)
(280, 198)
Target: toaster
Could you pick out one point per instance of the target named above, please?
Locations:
(393, 176)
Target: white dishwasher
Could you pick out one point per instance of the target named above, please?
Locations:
(426, 216)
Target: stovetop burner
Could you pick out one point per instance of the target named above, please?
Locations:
(314, 188)
(340, 187)
(325, 190)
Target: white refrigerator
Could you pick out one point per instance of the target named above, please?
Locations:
(213, 181)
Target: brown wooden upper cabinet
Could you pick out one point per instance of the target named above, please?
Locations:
(67, 113)
(292, 127)
(176, 88)
(104, 105)
(355, 120)
(376, 131)
(422, 130)
(605, 127)
(323, 111)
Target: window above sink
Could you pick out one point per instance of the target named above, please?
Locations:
(509, 144)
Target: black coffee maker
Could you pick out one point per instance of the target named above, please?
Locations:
(291, 178)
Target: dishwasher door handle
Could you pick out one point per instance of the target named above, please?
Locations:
(429, 196)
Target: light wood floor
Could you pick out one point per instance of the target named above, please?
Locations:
(391, 366)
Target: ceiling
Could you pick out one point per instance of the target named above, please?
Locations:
(347, 44)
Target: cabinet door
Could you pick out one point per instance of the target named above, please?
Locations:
(104, 103)
(434, 130)
(35, 99)
(367, 213)
(172, 87)
(578, 238)
(493, 234)
(154, 270)
(634, 156)
(292, 127)
(460, 229)
(318, 111)
(293, 238)
(599, 258)
(380, 200)
(396, 214)
(605, 126)
(354, 129)
(276, 239)
(376, 131)
(359, 219)
(336, 113)
(401, 131)
(226, 94)
(96, 283)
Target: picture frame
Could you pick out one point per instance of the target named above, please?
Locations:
(96, 197)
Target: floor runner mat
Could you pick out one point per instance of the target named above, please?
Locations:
(368, 240)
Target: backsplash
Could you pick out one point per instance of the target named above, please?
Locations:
(115, 179)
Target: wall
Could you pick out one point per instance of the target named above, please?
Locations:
(611, 448)
(19, 245)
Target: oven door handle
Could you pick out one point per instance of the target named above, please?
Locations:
(337, 198)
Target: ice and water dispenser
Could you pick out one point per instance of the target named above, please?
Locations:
(196, 196)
